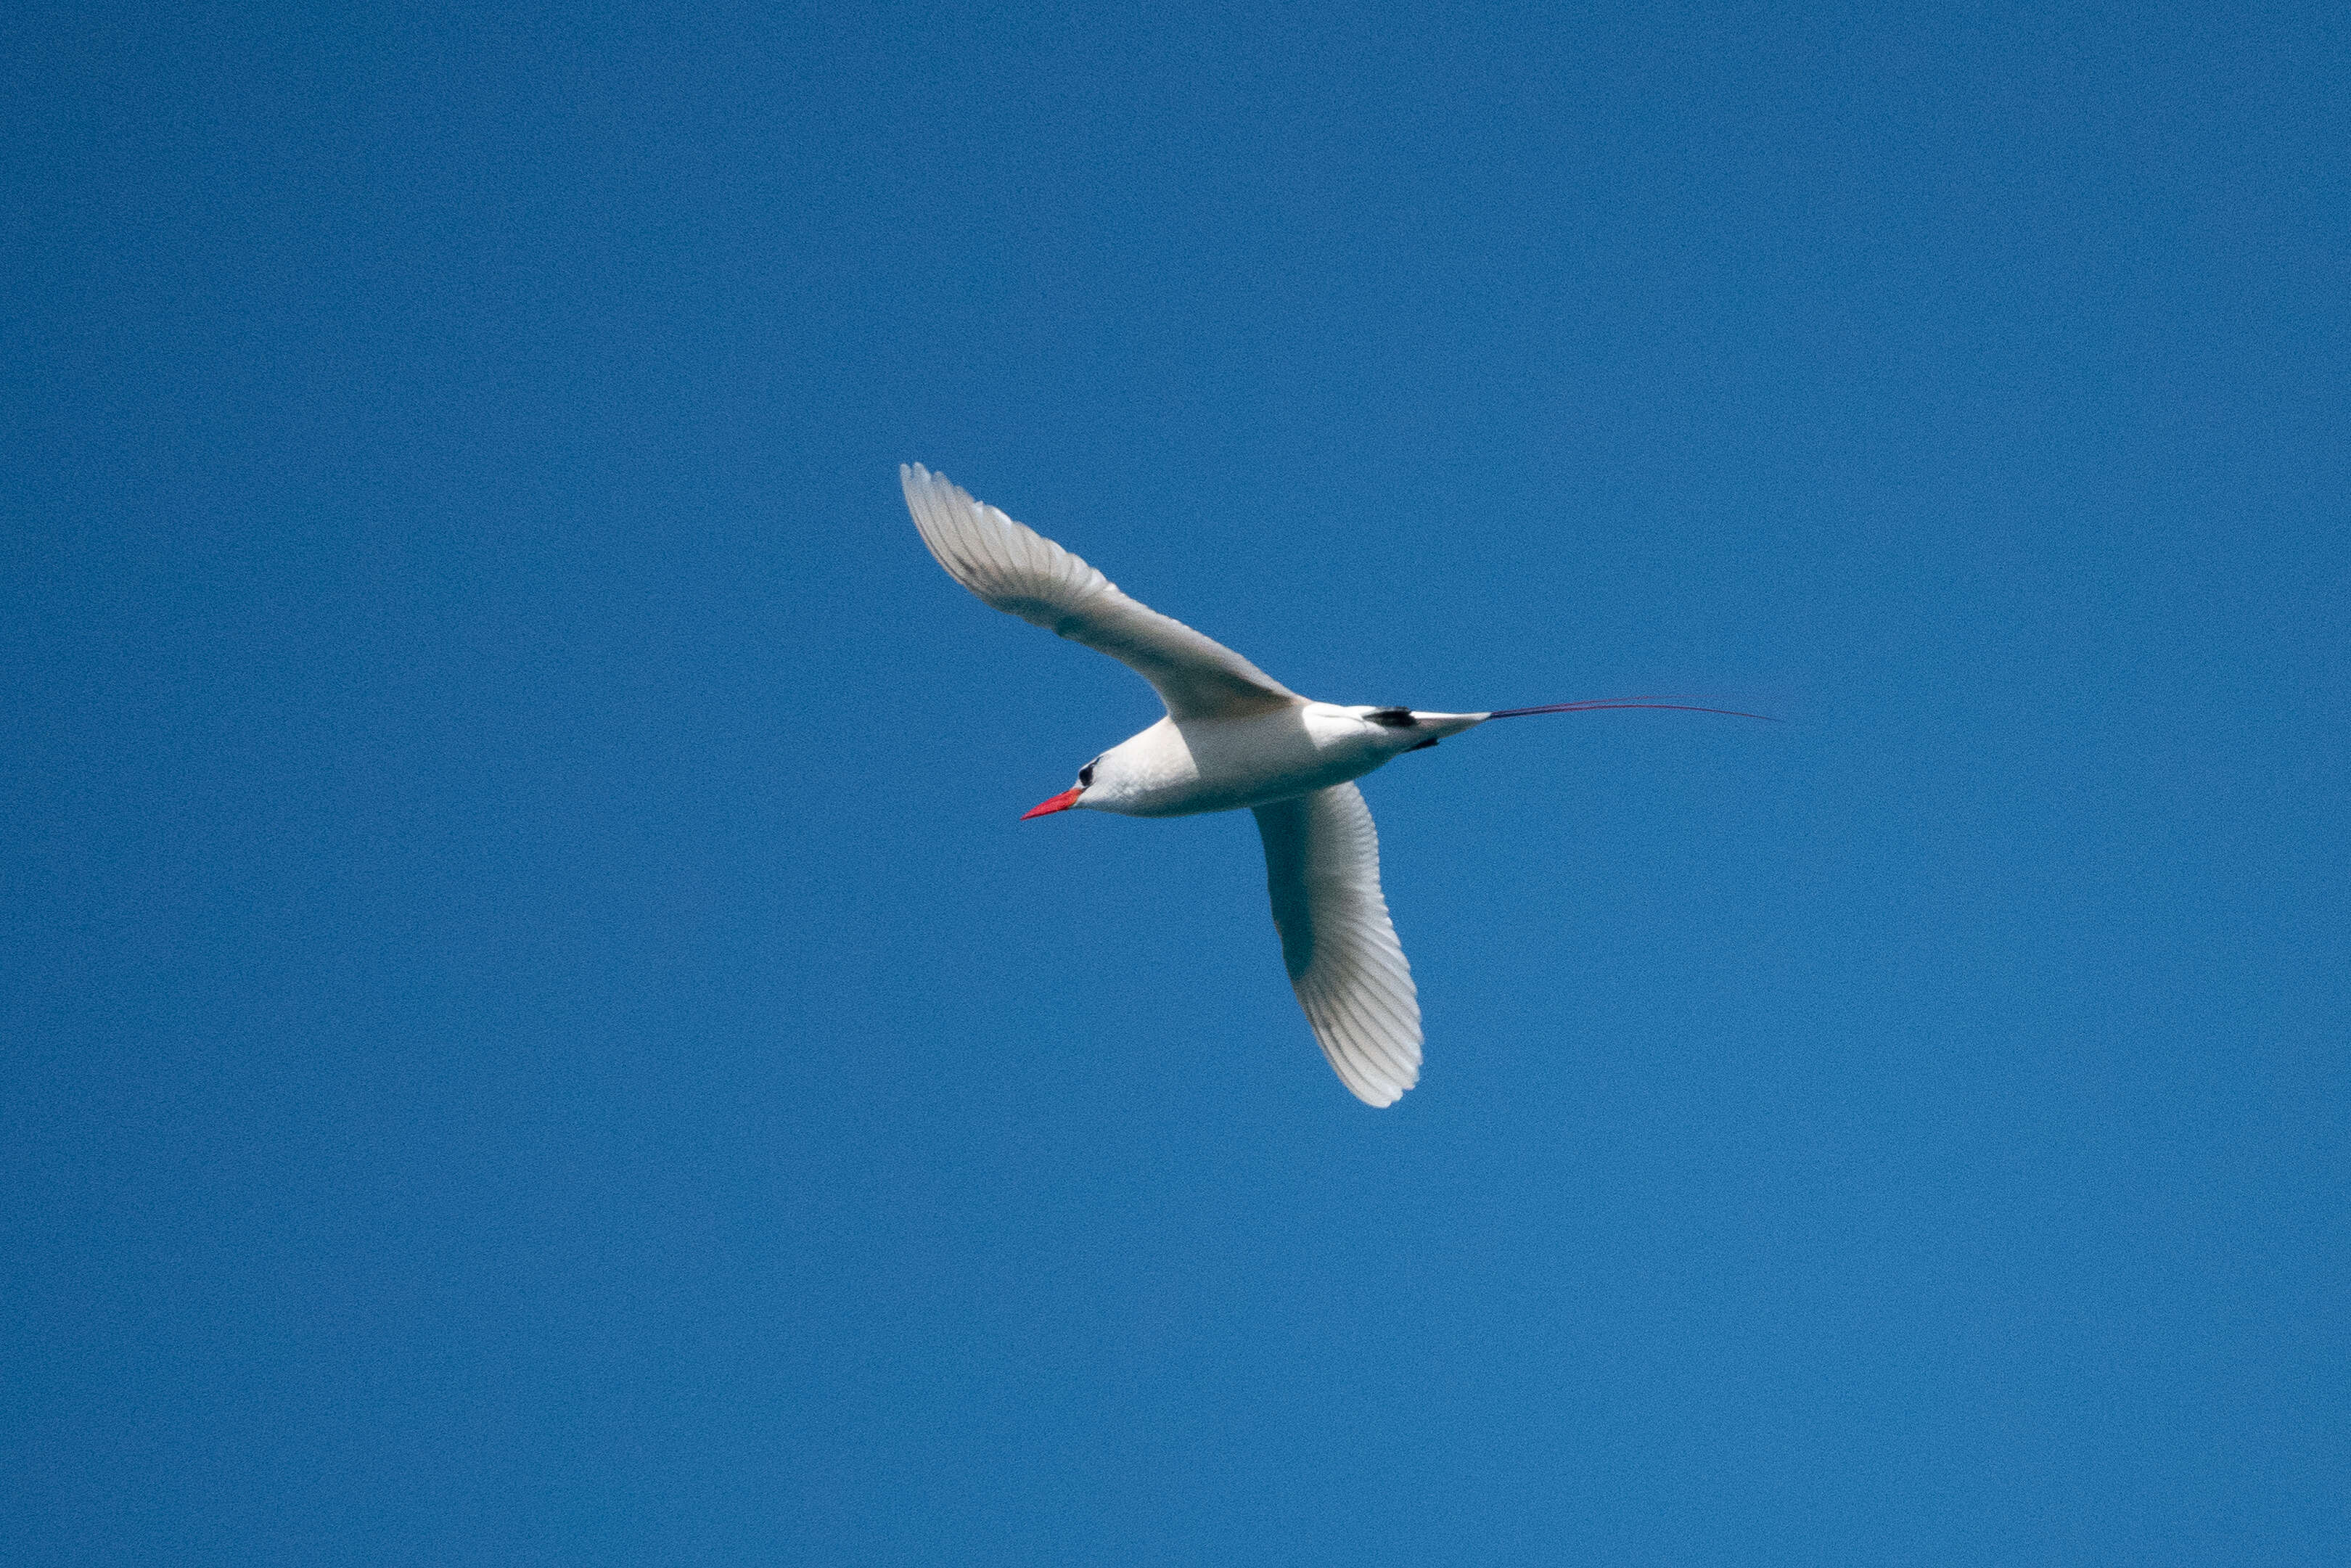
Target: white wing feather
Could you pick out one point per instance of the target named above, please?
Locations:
(1020, 572)
(1322, 867)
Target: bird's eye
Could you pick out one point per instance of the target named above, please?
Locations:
(1086, 774)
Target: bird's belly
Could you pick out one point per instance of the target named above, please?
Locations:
(1223, 764)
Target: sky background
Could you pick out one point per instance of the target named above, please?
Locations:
(533, 1033)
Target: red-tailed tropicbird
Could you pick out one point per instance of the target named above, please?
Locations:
(1235, 736)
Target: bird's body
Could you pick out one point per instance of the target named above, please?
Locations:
(1233, 737)
(1179, 767)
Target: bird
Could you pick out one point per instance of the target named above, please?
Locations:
(1234, 736)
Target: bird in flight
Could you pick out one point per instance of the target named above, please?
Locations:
(1235, 736)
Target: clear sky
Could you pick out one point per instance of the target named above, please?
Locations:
(532, 1032)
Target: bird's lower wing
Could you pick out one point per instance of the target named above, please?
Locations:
(1020, 572)
(1322, 867)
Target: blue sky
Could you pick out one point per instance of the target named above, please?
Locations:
(532, 1032)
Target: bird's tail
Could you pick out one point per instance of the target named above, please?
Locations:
(1596, 704)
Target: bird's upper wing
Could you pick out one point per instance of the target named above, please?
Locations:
(1322, 865)
(1019, 570)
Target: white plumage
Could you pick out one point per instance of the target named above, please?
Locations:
(1322, 867)
(1233, 737)
(1020, 572)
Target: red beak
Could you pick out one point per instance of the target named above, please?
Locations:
(1060, 802)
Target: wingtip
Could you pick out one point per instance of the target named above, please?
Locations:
(934, 488)
(1371, 1094)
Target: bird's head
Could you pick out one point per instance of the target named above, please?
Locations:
(1073, 796)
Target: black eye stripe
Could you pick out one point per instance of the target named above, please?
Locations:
(1086, 774)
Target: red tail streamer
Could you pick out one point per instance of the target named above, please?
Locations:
(1596, 705)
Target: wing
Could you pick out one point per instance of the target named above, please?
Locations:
(1322, 866)
(1024, 573)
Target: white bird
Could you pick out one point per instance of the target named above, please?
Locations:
(1235, 736)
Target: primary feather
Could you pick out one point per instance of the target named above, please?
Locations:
(1017, 570)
